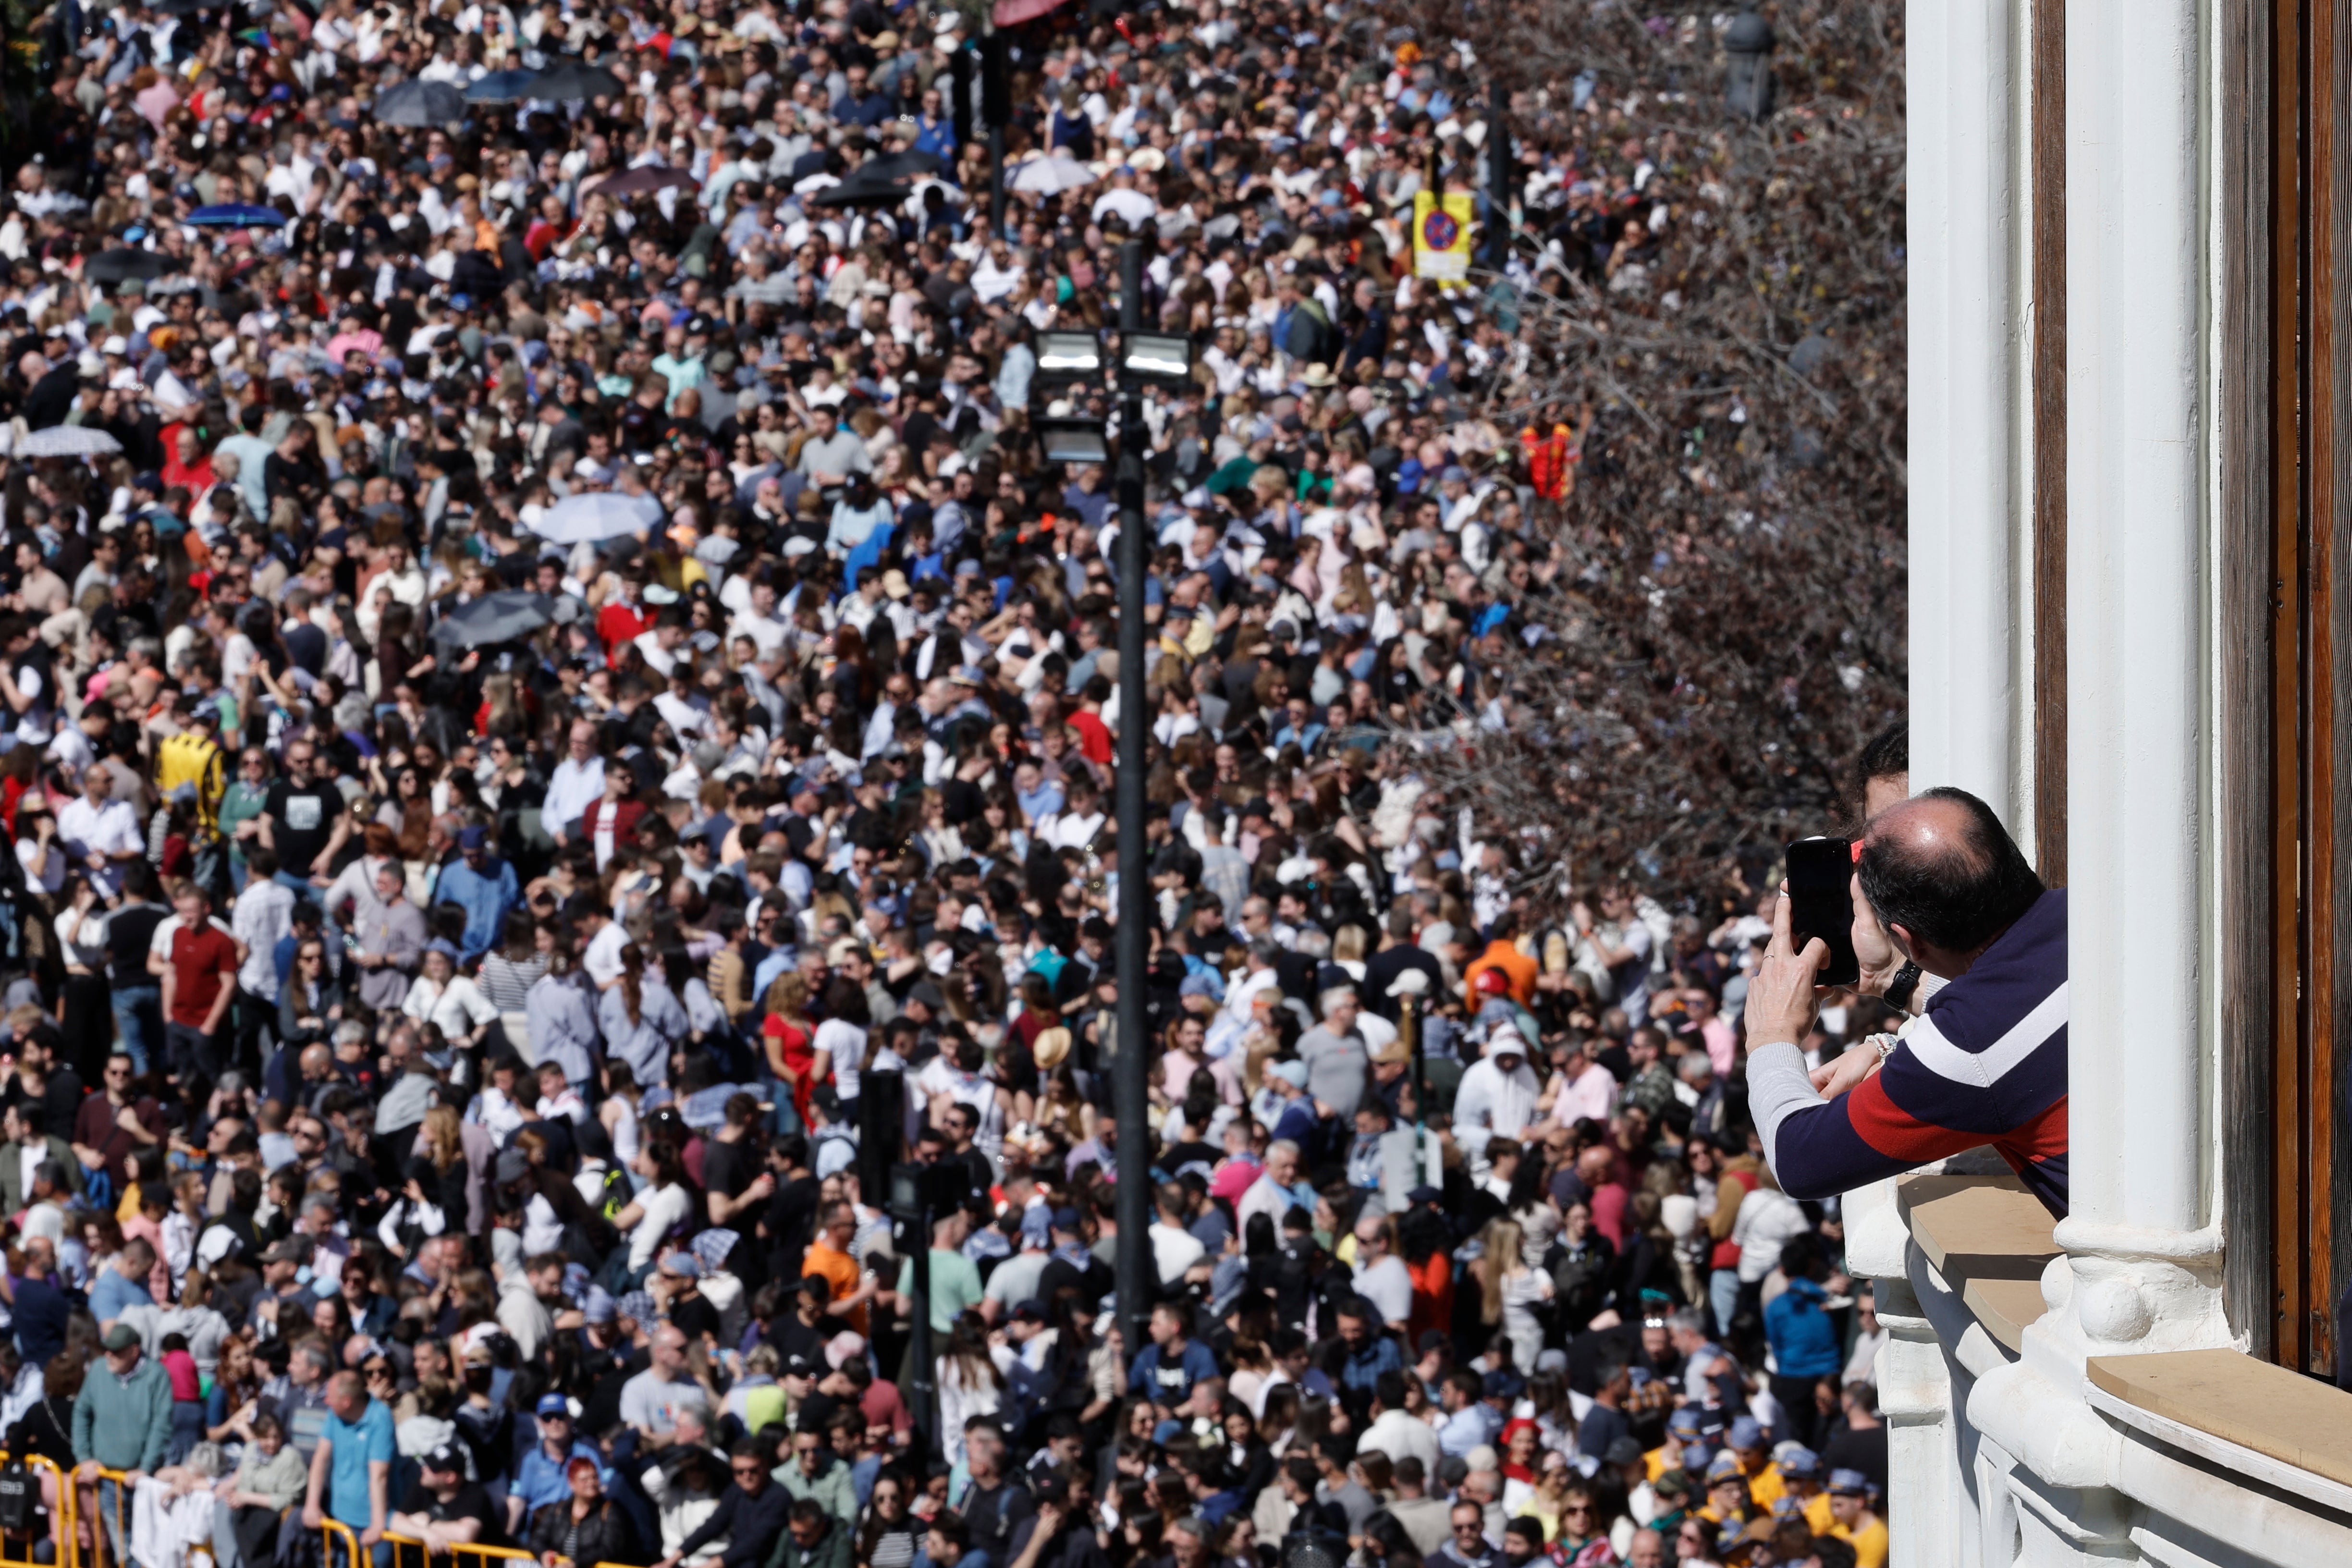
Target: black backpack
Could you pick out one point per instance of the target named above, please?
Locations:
(19, 1495)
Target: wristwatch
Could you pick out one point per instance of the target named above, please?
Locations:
(1899, 989)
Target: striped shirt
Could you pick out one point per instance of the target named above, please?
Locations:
(1985, 1064)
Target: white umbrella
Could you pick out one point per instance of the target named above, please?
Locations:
(596, 515)
(1052, 174)
(1132, 205)
(69, 441)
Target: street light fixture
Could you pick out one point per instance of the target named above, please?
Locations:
(1156, 356)
(1073, 438)
(1068, 356)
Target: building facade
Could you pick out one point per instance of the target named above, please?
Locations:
(2130, 296)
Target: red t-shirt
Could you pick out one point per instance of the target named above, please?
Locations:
(618, 623)
(1094, 737)
(204, 959)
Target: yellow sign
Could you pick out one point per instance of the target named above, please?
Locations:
(1440, 235)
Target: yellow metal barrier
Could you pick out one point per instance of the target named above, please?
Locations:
(484, 1554)
(99, 1541)
(403, 1544)
(61, 1517)
(329, 1528)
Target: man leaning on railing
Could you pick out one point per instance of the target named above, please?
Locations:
(351, 1469)
(122, 1422)
(1950, 924)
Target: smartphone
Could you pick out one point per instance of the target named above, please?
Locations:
(1820, 903)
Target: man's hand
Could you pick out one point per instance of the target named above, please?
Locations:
(1835, 1078)
(1781, 998)
(86, 1470)
(370, 1536)
(1873, 950)
(313, 1516)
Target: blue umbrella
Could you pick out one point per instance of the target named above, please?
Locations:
(239, 215)
(501, 87)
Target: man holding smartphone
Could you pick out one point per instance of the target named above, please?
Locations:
(1950, 924)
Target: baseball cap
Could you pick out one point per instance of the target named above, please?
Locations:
(1492, 980)
(1799, 1463)
(553, 1408)
(684, 1265)
(1725, 1469)
(1849, 1483)
(121, 1337)
(1504, 1384)
(447, 1459)
(1747, 1432)
(1624, 1451)
(1293, 1073)
(1067, 1218)
(473, 838)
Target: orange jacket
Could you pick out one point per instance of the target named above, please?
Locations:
(1517, 967)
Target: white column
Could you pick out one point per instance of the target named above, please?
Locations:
(2136, 432)
(1965, 337)
(2145, 1254)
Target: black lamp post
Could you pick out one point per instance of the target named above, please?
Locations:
(1748, 80)
(1067, 357)
(996, 111)
(1498, 177)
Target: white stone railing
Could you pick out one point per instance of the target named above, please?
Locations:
(2008, 1446)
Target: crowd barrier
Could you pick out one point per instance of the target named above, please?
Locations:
(61, 1518)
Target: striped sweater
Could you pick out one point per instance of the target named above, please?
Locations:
(1985, 1064)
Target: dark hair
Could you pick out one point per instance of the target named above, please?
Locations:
(1958, 898)
(1887, 754)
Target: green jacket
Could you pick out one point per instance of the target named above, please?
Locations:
(13, 1195)
(124, 1423)
(832, 1489)
(833, 1552)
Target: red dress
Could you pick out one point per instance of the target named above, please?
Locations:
(795, 1046)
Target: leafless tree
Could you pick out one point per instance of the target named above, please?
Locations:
(1715, 623)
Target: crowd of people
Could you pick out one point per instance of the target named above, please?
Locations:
(554, 699)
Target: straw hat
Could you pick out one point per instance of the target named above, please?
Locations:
(1053, 1048)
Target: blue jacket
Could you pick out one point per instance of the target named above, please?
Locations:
(1171, 1383)
(1362, 1368)
(486, 896)
(1804, 1341)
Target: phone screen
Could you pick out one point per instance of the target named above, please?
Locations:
(1820, 903)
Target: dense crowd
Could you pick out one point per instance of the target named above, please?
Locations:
(546, 664)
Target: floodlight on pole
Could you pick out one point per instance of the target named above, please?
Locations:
(1156, 356)
(1069, 357)
(1073, 438)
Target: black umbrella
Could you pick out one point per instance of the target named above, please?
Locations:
(906, 166)
(863, 190)
(495, 618)
(420, 104)
(117, 265)
(644, 181)
(574, 82)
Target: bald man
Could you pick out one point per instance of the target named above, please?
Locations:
(1949, 923)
